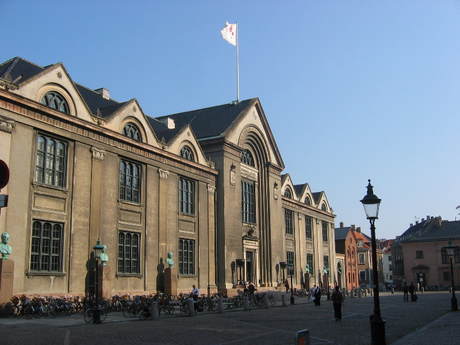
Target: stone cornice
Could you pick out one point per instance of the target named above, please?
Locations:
(33, 110)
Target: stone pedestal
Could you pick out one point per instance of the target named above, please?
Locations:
(6, 280)
(170, 282)
(105, 282)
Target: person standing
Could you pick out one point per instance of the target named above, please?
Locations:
(337, 300)
(413, 295)
(317, 296)
(406, 292)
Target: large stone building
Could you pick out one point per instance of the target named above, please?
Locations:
(205, 185)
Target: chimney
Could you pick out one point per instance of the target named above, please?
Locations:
(358, 229)
(341, 224)
(427, 217)
(104, 92)
(353, 226)
(168, 122)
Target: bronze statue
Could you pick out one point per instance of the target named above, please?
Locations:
(170, 260)
(5, 248)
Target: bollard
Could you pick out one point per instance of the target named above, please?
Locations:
(245, 303)
(302, 337)
(283, 300)
(266, 302)
(220, 305)
(191, 307)
(154, 311)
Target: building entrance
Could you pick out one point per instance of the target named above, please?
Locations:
(250, 266)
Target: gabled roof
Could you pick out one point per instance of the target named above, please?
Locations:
(299, 189)
(209, 122)
(317, 197)
(19, 70)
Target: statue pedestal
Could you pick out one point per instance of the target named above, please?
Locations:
(105, 282)
(170, 282)
(6, 280)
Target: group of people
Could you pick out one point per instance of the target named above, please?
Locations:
(336, 297)
(409, 290)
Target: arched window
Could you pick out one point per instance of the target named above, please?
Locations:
(324, 207)
(54, 100)
(288, 193)
(132, 131)
(307, 201)
(187, 153)
(246, 158)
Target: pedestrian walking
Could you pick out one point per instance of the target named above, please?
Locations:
(286, 285)
(312, 293)
(337, 300)
(392, 289)
(406, 292)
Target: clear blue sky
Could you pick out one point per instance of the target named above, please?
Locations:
(352, 89)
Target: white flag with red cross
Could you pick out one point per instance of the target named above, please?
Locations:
(229, 33)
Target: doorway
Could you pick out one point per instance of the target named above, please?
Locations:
(250, 266)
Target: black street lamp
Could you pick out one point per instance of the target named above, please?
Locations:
(98, 250)
(371, 205)
(450, 250)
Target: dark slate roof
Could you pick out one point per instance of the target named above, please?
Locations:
(97, 104)
(298, 189)
(17, 67)
(162, 131)
(210, 122)
(317, 197)
(431, 230)
(341, 233)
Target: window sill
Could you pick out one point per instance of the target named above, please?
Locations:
(187, 276)
(44, 274)
(129, 275)
(37, 185)
(132, 203)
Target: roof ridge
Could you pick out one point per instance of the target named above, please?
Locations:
(205, 108)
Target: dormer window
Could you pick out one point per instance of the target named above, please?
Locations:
(246, 158)
(54, 100)
(132, 131)
(307, 201)
(324, 207)
(187, 153)
(288, 193)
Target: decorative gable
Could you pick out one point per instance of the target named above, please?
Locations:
(55, 79)
(186, 138)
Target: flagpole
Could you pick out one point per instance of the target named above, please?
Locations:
(237, 65)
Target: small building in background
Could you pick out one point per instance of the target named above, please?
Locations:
(346, 246)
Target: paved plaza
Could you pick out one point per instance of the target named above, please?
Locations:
(406, 323)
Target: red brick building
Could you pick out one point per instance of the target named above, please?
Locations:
(346, 244)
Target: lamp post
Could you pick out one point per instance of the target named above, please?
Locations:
(291, 273)
(98, 250)
(371, 205)
(450, 250)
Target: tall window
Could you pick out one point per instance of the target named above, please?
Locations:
(308, 227)
(288, 193)
(47, 242)
(187, 153)
(128, 252)
(361, 258)
(325, 230)
(324, 207)
(290, 263)
(186, 256)
(326, 262)
(246, 158)
(55, 101)
(50, 163)
(419, 254)
(130, 180)
(307, 201)
(248, 203)
(445, 257)
(310, 262)
(186, 196)
(289, 221)
(132, 131)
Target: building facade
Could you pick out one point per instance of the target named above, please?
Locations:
(204, 185)
(423, 254)
(346, 245)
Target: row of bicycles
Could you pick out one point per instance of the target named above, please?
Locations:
(130, 306)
